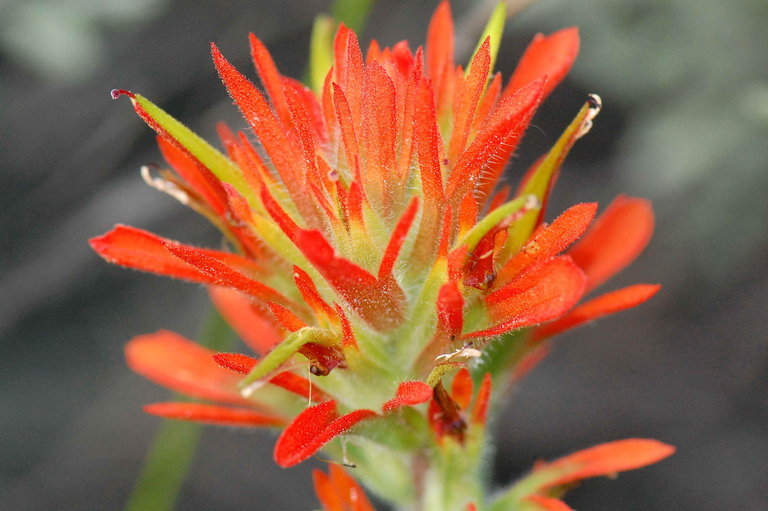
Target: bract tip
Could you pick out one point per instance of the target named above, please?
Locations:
(116, 93)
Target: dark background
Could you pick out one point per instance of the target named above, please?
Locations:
(685, 123)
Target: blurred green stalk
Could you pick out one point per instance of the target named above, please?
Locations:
(353, 13)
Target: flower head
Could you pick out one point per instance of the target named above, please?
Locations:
(369, 243)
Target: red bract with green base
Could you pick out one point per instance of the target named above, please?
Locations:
(381, 278)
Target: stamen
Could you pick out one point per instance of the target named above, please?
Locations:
(164, 186)
(460, 354)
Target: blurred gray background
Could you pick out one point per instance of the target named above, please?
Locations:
(685, 123)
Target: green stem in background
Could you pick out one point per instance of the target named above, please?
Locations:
(353, 13)
(174, 447)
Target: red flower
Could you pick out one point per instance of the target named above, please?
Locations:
(367, 246)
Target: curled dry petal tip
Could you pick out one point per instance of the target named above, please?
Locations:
(116, 93)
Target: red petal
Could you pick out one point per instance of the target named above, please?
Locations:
(310, 294)
(339, 492)
(465, 107)
(378, 303)
(348, 66)
(439, 50)
(259, 332)
(489, 101)
(195, 173)
(409, 393)
(348, 336)
(468, 211)
(480, 411)
(450, 308)
(397, 239)
(499, 198)
(141, 250)
(354, 206)
(286, 318)
(330, 498)
(311, 430)
(540, 295)
(298, 385)
(281, 150)
(462, 388)
(617, 237)
(219, 271)
(547, 56)
(287, 380)
(179, 364)
(428, 156)
(427, 144)
(346, 124)
(488, 153)
(548, 504)
(271, 79)
(550, 241)
(379, 131)
(237, 362)
(212, 414)
(603, 305)
(607, 459)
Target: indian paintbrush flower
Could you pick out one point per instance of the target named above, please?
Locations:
(374, 263)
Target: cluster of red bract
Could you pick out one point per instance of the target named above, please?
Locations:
(374, 261)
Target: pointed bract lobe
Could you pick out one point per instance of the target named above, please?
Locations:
(543, 294)
(471, 90)
(462, 388)
(617, 237)
(179, 364)
(312, 429)
(337, 491)
(549, 241)
(252, 324)
(605, 460)
(408, 393)
(213, 414)
(439, 51)
(547, 56)
(481, 164)
(142, 250)
(220, 273)
(397, 239)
